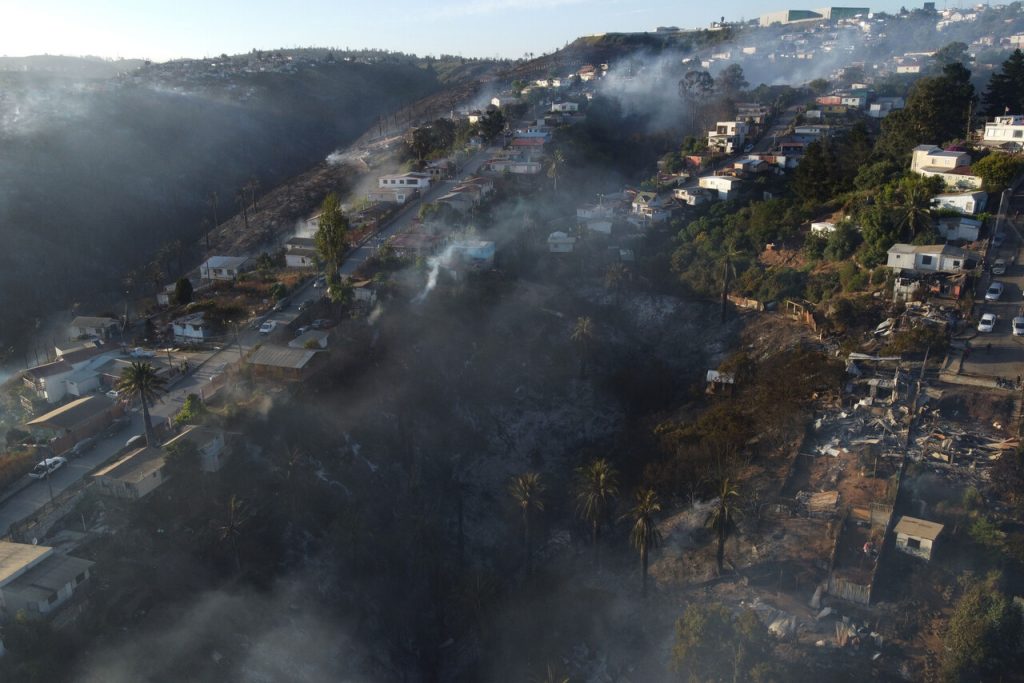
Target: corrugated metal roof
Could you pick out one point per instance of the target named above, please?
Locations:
(282, 357)
(74, 413)
(15, 557)
(918, 528)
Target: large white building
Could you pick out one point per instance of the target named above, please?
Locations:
(1005, 129)
(728, 136)
(420, 181)
(954, 167)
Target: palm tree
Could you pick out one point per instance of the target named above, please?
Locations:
(557, 159)
(526, 490)
(582, 335)
(644, 534)
(140, 379)
(914, 209)
(597, 485)
(230, 529)
(728, 272)
(723, 518)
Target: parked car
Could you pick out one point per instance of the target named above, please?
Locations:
(995, 290)
(321, 281)
(305, 305)
(303, 330)
(47, 467)
(999, 266)
(136, 441)
(322, 323)
(139, 352)
(83, 446)
(998, 239)
(268, 327)
(1017, 325)
(117, 426)
(282, 304)
(987, 322)
(114, 394)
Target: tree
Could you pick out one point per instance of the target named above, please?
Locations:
(229, 530)
(491, 124)
(191, 411)
(998, 170)
(819, 86)
(526, 490)
(331, 236)
(938, 110)
(731, 80)
(695, 88)
(557, 159)
(140, 379)
(1005, 91)
(645, 534)
(713, 645)
(723, 518)
(582, 335)
(983, 640)
(183, 291)
(597, 485)
(953, 53)
(914, 206)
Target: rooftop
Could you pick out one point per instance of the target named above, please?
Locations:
(90, 321)
(67, 417)
(15, 558)
(282, 357)
(135, 466)
(225, 261)
(918, 528)
(49, 576)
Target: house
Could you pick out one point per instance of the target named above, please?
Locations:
(500, 101)
(37, 579)
(224, 267)
(208, 441)
(561, 243)
(363, 292)
(415, 244)
(282, 364)
(928, 258)
(459, 201)
(691, 196)
(954, 167)
(300, 252)
(882, 106)
(591, 211)
(53, 381)
(86, 326)
(529, 148)
(968, 203)
(74, 421)
(823, 228)
(917, 536)
(439, 169)
(649, 208)
(134, 475)
(416, 181)
(600, 225)
(393, 195)
(719, 382)
(475, 253)
(725, 186)
(1004, 129)
(311, 339)
(514, 167)
(193, 328)
(728, 136)
(959, 228)
(564, 107)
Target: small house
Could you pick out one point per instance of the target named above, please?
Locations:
(561, 243)
(87, 326)
(134, 475)
(725, 186)
(927, 258)
(224, 267)
(959, 228)
(968, 203)
(282, 364)
(1003, 129)
(418, 181)
(917, 536)
(37, 579)
(300, 252)
(209, 442)
(192, 328)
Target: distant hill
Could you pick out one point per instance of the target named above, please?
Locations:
(97, 174)
(77, 67)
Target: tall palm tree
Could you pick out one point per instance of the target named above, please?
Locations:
(140, 379)
(914, 208)
(557, 159)
(723, 518)
(645, 534)
(596, 488)
(230, 528)
(582, 334)
(526, 490)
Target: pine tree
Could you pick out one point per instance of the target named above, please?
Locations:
(1005, 91)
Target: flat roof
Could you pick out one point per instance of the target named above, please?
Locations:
(49, 576)
(16, 557)
(918, 528)
(316, 336)
(282, 357)
(225, 261)
(135, 466)
(71, 415)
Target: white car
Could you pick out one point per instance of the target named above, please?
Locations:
(47, 467)
(1018, 326)
(995, 290)
(139, 352)
(268, 327)
(999, 266)
(987, 322)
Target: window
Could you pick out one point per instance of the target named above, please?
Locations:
(956, 263)
(926, 260)
(914, 543)
(1018, 133)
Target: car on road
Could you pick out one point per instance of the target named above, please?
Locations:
(303, 330)
(268, 327)
(47, 467)
(999, 267)
(322, 323)
(139, 352)
(114, 394)
(748, 148)
(305, 306)
(1018, 326)
(282, 304)
(321, 281)
(987, 322)
(995, 290)
(998, 239)
(116, 426)
(136, 441)
(83, 446)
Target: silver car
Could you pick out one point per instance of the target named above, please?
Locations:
(47, 467)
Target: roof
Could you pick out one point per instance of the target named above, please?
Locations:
(49, 576)
(16, 557)
(282, 357)
(301, 251)
(135, 466)
(83, 352)
(225, 261)
(302, 242)
(319, 337)
(944, 249)
(197, 435)
(89, 321)
(918, 528)
(48, 369)
(69, 416)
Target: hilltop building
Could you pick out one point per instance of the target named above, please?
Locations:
(799, 16)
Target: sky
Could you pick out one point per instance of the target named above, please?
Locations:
(168, 29)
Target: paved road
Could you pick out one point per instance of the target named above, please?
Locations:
(784, 121)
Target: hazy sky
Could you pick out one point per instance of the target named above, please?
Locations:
(166, 29)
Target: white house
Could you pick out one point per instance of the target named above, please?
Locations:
(959, 228)
(691, 196)
(192, 328)
(927, 258)
(561, 243)
(419, 181)
(823, 228)
(224, 267)
(392, 195)
(208, 441)
(728, 136)
(134, 475)
(1002, 129)
(514, 167)
(724, 185)
(37, 579)
(954, 167)
(968, 203)
(564, 107)
(87, 326)
(599, 225)
(650, 207)
(300, 252)
(917, 536)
